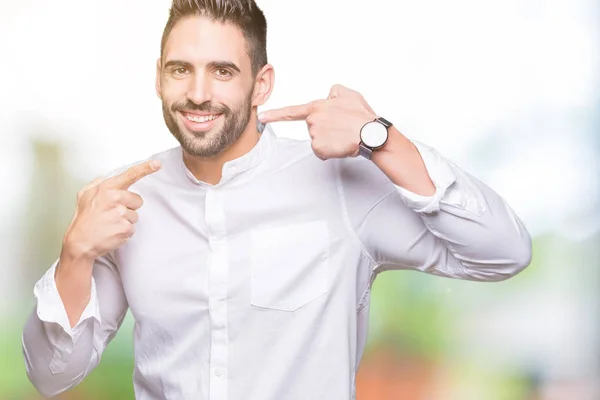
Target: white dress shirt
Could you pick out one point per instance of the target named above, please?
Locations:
(258, 287)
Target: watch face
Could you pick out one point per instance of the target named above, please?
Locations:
(374, 134)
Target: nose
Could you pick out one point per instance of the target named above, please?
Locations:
(199, 90)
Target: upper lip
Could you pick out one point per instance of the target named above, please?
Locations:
(198, 113)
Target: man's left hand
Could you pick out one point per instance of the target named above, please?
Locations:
(334, 123)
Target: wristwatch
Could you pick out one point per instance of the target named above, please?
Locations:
(373, 135)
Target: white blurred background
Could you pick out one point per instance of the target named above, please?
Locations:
(508, 90)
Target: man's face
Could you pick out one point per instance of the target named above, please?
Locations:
(206, 85)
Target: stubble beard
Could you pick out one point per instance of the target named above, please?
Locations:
(208, 144)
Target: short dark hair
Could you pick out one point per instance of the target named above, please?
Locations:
(245, 14)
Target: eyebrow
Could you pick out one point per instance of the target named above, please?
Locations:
(212, 64)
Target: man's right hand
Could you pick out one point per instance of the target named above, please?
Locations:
(106, 213)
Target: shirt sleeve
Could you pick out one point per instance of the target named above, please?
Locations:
(465, 230)
(50, 309)
(58, 357)
(440, 174)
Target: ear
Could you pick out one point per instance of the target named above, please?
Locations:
(263, 85)
(158, 75)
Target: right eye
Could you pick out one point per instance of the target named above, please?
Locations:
(181, 71)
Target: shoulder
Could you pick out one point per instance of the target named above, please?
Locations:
(353, 172)
(289, 146)
(287, 151)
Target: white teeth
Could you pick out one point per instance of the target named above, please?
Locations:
(194, 118)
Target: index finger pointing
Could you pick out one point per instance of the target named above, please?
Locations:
(132, 175)
(291, 113)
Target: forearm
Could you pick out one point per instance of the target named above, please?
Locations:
(400, 160)
(73, 278)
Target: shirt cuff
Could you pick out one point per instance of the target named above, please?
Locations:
(441, 175)
(50, 308)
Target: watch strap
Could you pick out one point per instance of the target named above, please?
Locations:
(383, 122)
(364, 151)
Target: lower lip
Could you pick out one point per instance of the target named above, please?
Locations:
(199, 126)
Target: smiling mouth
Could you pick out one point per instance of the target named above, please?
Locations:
(199, 118)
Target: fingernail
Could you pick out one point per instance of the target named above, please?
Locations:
(261, 116)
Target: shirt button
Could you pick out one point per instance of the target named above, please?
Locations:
(214, 307)
(218, 372)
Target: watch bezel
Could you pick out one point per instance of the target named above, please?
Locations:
(383, 126)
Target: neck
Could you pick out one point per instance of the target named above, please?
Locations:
(210, 169)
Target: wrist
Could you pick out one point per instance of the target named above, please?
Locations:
(396, 144)
(75, 251)
(72, 266)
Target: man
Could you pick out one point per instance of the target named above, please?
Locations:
(250, 269)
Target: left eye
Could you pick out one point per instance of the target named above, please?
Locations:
(223, 72)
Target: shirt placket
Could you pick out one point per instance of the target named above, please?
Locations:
(217, 295)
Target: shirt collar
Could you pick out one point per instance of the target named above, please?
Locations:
(249, 160)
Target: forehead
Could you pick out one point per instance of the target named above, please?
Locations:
(199, 40)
